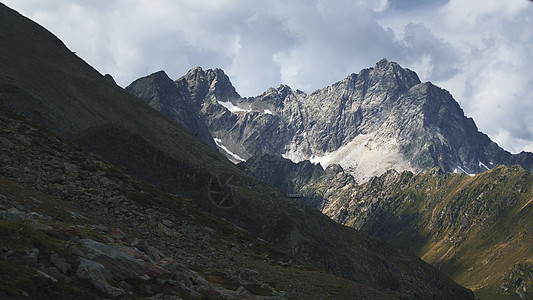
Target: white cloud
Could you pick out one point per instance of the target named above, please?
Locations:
(495, 83)
(430, 56)
(333, 39)
(478, 50)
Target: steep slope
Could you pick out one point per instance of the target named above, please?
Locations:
(45, 81)
(74, 226)
(160, 92)
(56, 88)
(379, 119)
(477, 230)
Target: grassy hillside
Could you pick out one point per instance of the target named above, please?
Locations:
(478, 230)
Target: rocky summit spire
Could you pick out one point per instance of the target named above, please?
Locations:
(202, 84)
(160, 92)
(392, 73)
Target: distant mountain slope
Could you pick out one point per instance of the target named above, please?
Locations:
(379, 119)
(478, 230)
(41, 79)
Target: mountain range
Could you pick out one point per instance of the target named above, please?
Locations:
(379, 119)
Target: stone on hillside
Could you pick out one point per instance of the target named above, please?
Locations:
(123, 262)
(6, 143)
(14, 215)
(71, 170)
(99, 276)
(60, 263)
(41, 227)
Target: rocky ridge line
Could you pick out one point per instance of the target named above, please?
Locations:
(379, 119)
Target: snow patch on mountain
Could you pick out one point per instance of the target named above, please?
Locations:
(364, 157)
(231, 154)
(232, 107)
(322, 160)
(482, 165)
(461, 170)
(295, 157)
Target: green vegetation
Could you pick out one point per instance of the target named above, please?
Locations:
(18, 280)
(474, 229)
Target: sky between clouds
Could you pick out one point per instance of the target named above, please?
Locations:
(479, 50)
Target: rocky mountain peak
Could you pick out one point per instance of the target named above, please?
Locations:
(283, 91)
(195, 72)
(161, 93)
(210, 83)
(157, 89)
(160, 76)
(221, 85)
(392, 73)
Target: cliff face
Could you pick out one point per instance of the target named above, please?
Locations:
(379, 119)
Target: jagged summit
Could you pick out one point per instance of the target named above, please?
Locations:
(393, 73)
(160, 75)
(381, 118)
(160, 92)
(208, 83)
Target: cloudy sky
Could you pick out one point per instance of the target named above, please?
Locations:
(479, 50)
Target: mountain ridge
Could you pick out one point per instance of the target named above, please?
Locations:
(378, 119)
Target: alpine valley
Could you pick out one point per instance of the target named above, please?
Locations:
(380, 152)
(107, 193)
